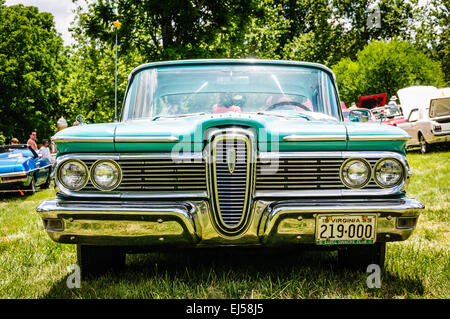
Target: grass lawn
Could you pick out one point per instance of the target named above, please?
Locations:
(33, 266)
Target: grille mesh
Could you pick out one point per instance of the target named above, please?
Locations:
(231, 188)
(155, 175)
(302, 174)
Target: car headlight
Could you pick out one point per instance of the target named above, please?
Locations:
(73, 174)
(106, 175)
(388, 173)
(355, 173)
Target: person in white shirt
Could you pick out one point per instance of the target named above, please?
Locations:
(44, 150)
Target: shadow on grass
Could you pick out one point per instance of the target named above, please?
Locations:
(282, 273)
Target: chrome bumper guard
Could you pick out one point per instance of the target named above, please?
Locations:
(189, 223)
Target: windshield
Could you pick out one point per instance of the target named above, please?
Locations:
(215, 89)
(361, 115)
(440, 107)
(393, 111)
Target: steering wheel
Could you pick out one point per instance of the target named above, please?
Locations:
(284, 103)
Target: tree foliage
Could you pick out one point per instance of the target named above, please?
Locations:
(385, 67)
(431, 32)
(31, 65)
(171, 29)
(88, 87)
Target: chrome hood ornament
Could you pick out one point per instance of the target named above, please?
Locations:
(231, 160)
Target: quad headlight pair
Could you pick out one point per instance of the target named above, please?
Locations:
(105, 175)
(357, 172)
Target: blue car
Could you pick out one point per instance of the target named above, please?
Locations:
(22, 170)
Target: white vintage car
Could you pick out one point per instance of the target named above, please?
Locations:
(428, 126)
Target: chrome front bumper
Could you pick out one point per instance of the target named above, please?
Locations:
(189, 223)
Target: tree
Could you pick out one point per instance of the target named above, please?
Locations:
(31, 64)
(431, 32)
(326, 31)
(88, 86)
(172, 29)
(386, 67)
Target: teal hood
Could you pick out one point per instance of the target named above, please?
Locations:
(274, 133)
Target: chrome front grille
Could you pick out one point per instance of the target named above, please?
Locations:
(231, 169)
(158, 175)
(231, 184)
(299, 174)
(303, 173)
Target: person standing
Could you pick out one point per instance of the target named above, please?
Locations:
(44, 150)
(32, 140)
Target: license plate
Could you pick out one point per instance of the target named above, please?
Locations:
(345, 229)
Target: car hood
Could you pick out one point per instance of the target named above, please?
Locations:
(274, 132)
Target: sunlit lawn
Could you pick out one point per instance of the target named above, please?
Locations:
(32, 266)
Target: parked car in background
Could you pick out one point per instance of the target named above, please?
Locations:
(390, 115)
(230, 153)
(22, 170)
(416, 97)
(361, 115)
(429, 126)
(372, 101)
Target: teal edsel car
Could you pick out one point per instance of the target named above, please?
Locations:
(217, 153)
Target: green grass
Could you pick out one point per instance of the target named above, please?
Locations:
(32, 266)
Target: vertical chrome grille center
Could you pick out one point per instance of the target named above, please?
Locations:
(230, 172)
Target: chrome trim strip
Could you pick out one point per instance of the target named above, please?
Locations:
(132, 195)
(24, 172)
(313, 138)
(440, 133)
(328, 192)
(378, 138)
(81, 139)
(14, 174)
(116, 156)
(145, 139)
(333, 154)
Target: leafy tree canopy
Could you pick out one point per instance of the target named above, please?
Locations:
(31, 65)
(171, 29)
(385, 67)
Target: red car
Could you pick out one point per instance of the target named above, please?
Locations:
(390, 115)
(372, 101)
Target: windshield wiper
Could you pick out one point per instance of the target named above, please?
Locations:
(177, 115)
(302, 115)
